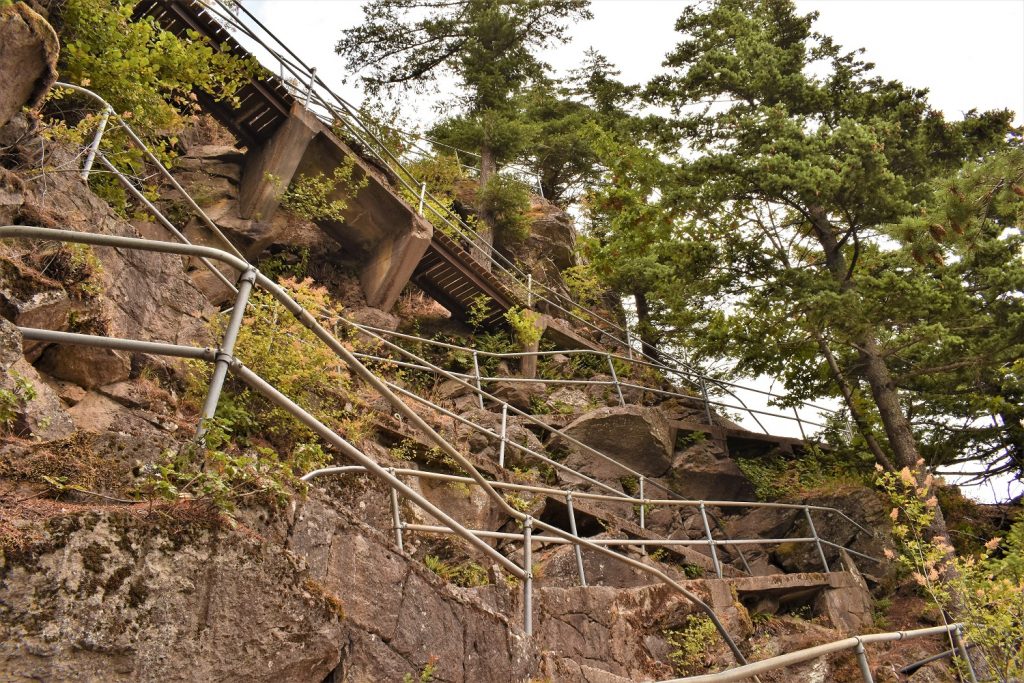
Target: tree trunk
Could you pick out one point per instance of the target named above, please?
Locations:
(484, 245)
(875, 371)
(648, 334)
(855, 414)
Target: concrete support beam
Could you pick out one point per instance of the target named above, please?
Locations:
(270, 169)
(379, 225)
(563, 337)
(392, 262)
(528, 364)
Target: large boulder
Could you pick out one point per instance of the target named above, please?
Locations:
(634, 436)
(28, 59)
(704, 472)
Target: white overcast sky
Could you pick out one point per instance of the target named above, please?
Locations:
(968, 53)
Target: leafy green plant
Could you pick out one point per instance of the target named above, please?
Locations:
(984, 591)
(147, 74)
(691, 644)
(426, 674)
(479, 311)
(223, 473)
(323, 197)
(274, 344)
(13, 401)
(465, 574)
(518, 502)
(525, 326)
(776, 477)
(506, 201)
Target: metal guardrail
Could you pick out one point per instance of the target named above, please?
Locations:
(569, 496)
(335, 110)
(953, 631)
(609, 358)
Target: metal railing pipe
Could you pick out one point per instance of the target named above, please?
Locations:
(746, 671)
(528, 580)
(133, 345)
(118, 242)
(575, 546)
(225, 354)
(817, 541)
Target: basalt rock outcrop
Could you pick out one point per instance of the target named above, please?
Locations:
(28, 59)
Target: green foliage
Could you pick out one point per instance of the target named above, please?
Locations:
(584, 285)
(985, 592)
(490, 48)
(787, 219)
(426, 674)
(274, 344)
(286, 265)
(322, 197)
(479, 311)
(778, 478)
(147, 74)
(691, 645)
(222, 474)
(466, 574)
(14, 400)
(525, 326)
(506, 203)
(519, 502)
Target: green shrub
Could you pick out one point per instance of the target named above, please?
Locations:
(525, 326)
(13, 401)
(507, 201)
(691, 644)
(322, 197)
(275, 345)
(147, 74)
(466, 574)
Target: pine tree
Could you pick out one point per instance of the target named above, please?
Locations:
(490, 46)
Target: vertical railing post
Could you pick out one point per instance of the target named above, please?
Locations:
(309, 87)
(94, 146)
(629, 343)
(961, 649)
(529, 290)
(643, 518)
(423, 196)
(707, 402)
(226, 351)
(615, 378)
(711, 541)
(476, 373)
(862, 662)
(396, 515)
(576, 546)
(504, 435)
(817, 541)
(799, 424)
(528, 578)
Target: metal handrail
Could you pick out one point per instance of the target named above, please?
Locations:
(225, 361)
(580, 495)
(426, 365)
(856, 643)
